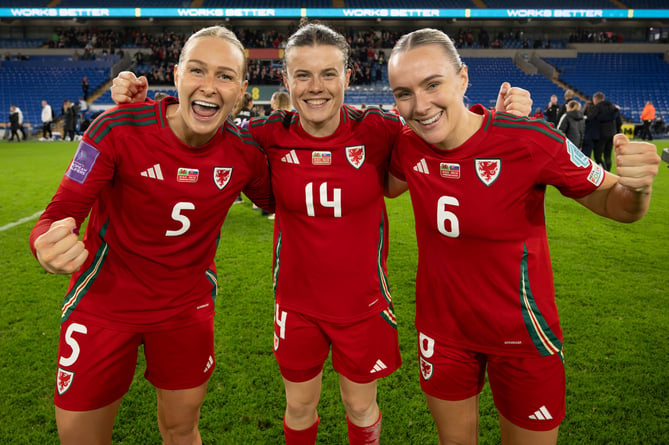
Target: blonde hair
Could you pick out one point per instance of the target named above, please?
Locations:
(429, 36)
(222, 33)
(280, 101)
(573, 105)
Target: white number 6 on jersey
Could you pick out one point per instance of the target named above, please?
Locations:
(177, 216)
(444, 215)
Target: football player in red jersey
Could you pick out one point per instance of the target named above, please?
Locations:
(329, 164)
(158, 179)
(484, 288)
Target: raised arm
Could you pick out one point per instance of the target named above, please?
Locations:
(626, 197)
(513, 100)
(127, 88)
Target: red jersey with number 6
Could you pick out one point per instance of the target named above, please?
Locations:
(484, 279)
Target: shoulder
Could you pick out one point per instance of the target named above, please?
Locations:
(241, 138)
(371, 115)
(124, 118)
(535, 129)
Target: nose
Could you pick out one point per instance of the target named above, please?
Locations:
(421, 104)
(207, 85)
(316, 84)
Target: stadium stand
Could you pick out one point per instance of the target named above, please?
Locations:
(627, 79)
(637, 76)
(52, 78)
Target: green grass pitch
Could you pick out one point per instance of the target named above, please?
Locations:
(612, 285)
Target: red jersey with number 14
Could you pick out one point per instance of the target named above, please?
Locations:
(157, 210)
(484, 279)
(331, 231)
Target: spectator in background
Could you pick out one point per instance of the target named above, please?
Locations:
(280, 100)
(70, 120)
(82, 108)
(610, 123)
(647, 118)
(568, 95)
(538, 113)
(591, 133)
(572, 123)
(244, 111)
(21, 128)
(84, 86)
(47, 118)
(552, 110)
(14, 123)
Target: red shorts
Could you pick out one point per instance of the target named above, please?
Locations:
(362, 351)
(96, 365)
(528, 391)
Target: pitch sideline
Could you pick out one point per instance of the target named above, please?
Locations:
(21, 221)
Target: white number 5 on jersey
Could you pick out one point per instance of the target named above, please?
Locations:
(179, 217)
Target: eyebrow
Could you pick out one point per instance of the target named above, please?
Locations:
(200, 62)
(422, 82)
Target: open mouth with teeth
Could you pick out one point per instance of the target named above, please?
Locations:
(204, 109)
(316, 102)
(431, 120)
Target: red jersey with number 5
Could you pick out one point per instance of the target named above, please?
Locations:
(157, 210)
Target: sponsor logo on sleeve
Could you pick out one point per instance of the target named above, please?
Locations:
(83, 162)
(596, 175)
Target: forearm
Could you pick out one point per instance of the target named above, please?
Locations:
(627, 205)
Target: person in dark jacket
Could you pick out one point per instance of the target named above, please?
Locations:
(552, 110)
(610, 123)
(14, 123)
(591, 135)
(572, 123)
(70, 124)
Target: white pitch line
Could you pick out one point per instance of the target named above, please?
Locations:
(21, 221)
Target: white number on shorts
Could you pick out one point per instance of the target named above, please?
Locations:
(72, 343)
(335, 203)
(426, 345)
(177, 216)
(444, 215)
(280, 318)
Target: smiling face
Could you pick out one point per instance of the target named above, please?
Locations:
(429, 94)
(316, 77)
(210, 80)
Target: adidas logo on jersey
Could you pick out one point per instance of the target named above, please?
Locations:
(378, 366)
(541, 414)
(153, 172)
(290, 158)
(421, 167)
